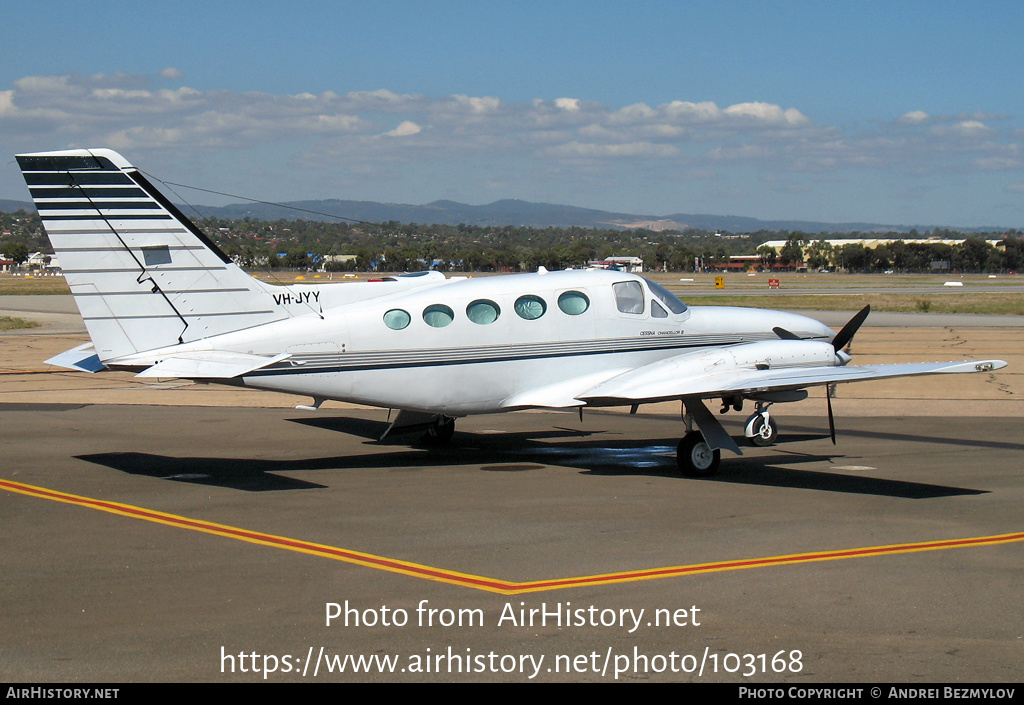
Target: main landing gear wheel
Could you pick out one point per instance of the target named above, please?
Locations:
(440, 432)
(765, 434)
(695, 456)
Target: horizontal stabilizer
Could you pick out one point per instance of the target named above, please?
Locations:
(210, 364)
(81, 359)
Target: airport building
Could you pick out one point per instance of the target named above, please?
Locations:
(625, 264)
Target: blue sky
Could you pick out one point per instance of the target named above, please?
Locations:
(893, 112)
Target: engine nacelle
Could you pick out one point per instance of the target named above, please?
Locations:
(775, 354)
(676, 376)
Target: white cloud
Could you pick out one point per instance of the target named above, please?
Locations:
(631, 114)
(178, 95)
(119, 94)
(139, 137)
(171, 72)
(478, 105)
(42, 84)
(971, 127)
(408, 127)
(380, 98)
(767, 113)
(663, 131)
(595, 131)
(680, 112)
(998, 163)
(745, 152)
(914, 117)
(124, 107)
(701, 112)
(632, 149)
(963, 128)
(376, 132)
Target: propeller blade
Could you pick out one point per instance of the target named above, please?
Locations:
(785, 334)
(831, 420)
(844, 336)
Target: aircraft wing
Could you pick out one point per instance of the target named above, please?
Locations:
(663, 381)
(560, 395)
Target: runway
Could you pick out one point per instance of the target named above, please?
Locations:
(101, 593)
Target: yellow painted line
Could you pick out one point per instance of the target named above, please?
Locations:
(504, 587)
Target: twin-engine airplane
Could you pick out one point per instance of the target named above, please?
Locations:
(161, 299)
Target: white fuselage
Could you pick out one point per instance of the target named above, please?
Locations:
(504, 360)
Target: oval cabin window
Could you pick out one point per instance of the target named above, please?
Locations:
(573, 303)
(483, 312)
(397, 319)
(530, 307)
(438, 315)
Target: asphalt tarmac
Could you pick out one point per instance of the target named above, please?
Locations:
(276, 515)
(209, 536)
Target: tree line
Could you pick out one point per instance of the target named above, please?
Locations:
(393, 246)
(974, 254)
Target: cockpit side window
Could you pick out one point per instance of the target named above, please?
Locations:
(657, 311)
(671, 301)
(629, 297)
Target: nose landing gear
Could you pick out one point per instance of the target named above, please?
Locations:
(761, 429)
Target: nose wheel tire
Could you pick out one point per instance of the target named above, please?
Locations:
(695, 456)
(765, 434)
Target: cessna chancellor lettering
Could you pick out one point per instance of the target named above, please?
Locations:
(161, 299)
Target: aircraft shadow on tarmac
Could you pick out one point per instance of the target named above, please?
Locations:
(915, 437)
(251, 475)
(514, 452)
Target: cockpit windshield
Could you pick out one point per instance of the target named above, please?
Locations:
(671, 301)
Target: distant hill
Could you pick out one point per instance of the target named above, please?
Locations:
(518, 213)
(497, 214)
(539, 215)
(15, 206)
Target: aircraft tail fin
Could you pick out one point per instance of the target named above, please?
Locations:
(142, 274)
